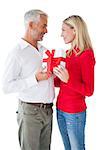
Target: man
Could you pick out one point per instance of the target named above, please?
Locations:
(24, 75)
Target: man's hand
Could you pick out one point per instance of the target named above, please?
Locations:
(61, 73)
(41, 75)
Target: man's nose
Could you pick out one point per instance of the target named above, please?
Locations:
(46, 30)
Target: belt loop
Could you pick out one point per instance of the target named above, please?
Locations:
(41, 105)
(44, 106)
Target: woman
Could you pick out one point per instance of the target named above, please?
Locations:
(75, 82)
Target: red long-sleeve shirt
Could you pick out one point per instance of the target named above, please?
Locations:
(71, 97)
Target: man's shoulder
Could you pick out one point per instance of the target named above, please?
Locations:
(15, 50)
(22, 45)
(19, 47)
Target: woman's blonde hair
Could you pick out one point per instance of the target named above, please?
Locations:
(82, 40)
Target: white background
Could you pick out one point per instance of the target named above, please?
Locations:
(12, 28)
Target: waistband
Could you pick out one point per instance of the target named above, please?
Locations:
(40, 105)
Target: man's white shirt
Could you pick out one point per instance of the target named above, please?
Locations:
(21, 66)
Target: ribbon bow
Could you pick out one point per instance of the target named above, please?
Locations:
(51, 61)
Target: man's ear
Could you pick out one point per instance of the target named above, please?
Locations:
(31, 25)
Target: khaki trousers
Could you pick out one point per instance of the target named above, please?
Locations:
(35, 127)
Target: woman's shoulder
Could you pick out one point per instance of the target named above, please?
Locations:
(87, 53)
(87, 56)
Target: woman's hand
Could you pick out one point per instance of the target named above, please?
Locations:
(61, 73)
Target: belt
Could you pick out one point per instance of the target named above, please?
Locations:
(41, 105)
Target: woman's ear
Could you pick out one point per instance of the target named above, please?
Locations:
(74, 31)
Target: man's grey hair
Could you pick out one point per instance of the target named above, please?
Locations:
(34, 16)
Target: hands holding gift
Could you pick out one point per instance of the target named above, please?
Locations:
(61, 73)
(54, 66)
(52, 61)
(41, 75)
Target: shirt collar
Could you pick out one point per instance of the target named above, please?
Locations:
(76, 49)
(25, 44)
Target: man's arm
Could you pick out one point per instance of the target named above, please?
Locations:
(12, 81)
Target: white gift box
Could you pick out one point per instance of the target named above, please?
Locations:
(58, 53)
(61, 53)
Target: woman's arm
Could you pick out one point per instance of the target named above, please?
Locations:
(86, 86)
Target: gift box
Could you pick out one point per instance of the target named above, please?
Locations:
(52, 59)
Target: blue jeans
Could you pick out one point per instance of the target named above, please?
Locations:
(72, 127)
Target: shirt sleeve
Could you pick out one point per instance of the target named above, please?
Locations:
(86, 86)
(12, 81)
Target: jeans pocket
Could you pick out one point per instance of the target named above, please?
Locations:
(81, 117)
(77, 119)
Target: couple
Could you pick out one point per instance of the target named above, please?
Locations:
(25, 76)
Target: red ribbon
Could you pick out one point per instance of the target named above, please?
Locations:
(51, 61)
